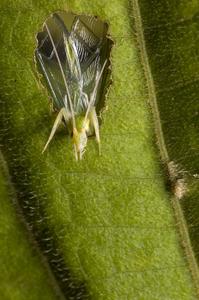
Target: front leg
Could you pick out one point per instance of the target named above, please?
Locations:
(62, 114)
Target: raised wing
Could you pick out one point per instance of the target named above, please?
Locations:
(80, 43)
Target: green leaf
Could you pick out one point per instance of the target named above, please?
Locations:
(24, 273)
(105, 225)
(171, 61)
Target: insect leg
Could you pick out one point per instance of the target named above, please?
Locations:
(55, 126)
(95, 123)
(93, 95)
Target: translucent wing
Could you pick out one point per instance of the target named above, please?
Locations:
(89, 37)
(51, 74)
(79, 42)
(49, 67)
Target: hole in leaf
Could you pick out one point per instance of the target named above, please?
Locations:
(73, 57)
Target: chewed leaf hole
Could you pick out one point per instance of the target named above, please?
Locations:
(73, 59)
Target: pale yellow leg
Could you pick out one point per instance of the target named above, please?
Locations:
(55, 126)
(94, 121)
(74, 143)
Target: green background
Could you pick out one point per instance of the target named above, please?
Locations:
(103, 228)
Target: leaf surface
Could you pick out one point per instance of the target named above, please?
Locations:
(105, 225)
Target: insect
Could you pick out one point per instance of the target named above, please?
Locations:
(72, 55)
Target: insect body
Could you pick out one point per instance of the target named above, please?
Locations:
(73, 63)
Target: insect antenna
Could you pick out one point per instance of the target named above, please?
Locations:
(73, 60)
(39, 57)
(66, 35)
(94, 92)
(63, 75)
